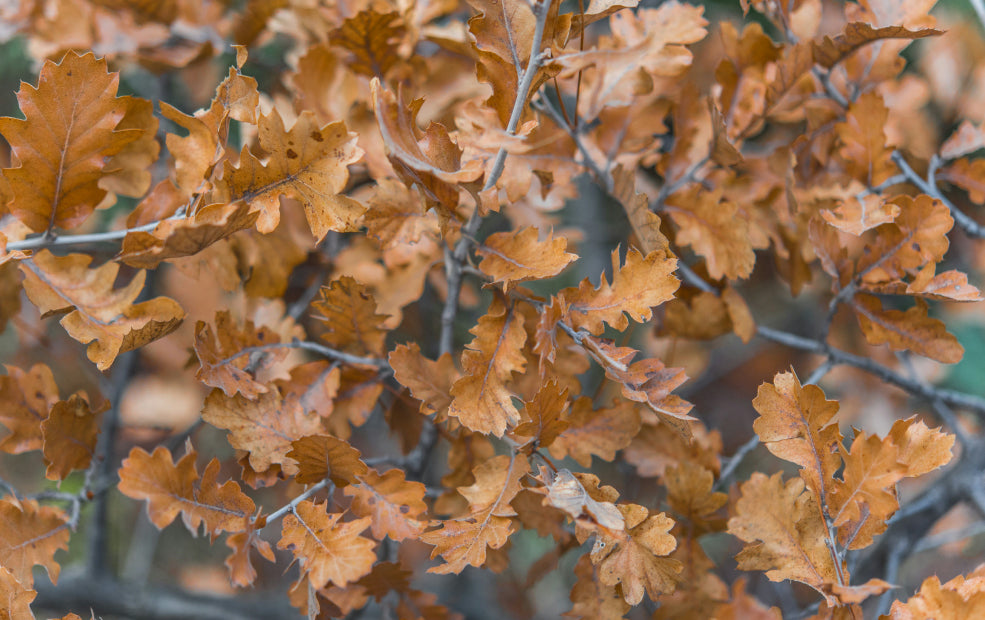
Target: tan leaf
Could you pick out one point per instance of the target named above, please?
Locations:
(393, 503)
(25, 400)
(912, 330)
(265, 427)
(348, 312)
(481, 399)
(517, 256)
(97, 313)
(223, 360)
(713, 228)
(593, 600)
(428, 381)
(637, 286)
(309, 163)
(369, 36)
(832, 50)
(329, 551)
(69, 437)
(66, 141)
(567, 493)
(596, 432)
(31, 536)
(174, 488)
(15, 598)
(544, 416)
(323, 456)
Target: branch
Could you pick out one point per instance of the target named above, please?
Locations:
(929, 187)
(329, 352)
(44, 240)
(109, 597)
(277, 514)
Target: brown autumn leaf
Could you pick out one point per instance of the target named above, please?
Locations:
(566, 493)
(66, 142)
(910, 330)
(397, 214)
(959, 598)
(785, 533)
(308, 162)
(636, 558)
(645, 223)
(323, 456)
(70, 432)
(26, 397)
(369, 37)
(99, 315)
(481, 399)
(15, 598)
(328, 550)
(264, 427)
(832, 50)
(429, 158)
(637, 286)
(544, 417)
(795, 424)
(864, 149)
(518, 256)
(394, 504)
(428, 381)
(689, 494)
(967, 138)
(226, 360)
(856, 215)
(463, 542)
(186, 236)
(173, 488)
(593, 600)
(951, 285)
(241, 571)
(918, 236)
(31, 536)
(596, 432)
(711, 225)
(348, 311)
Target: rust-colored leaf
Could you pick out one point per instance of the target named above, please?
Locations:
(323, 456)
(348, 311)
(69, 437)
(330, 551)
(910, 330)
(30, 535)
(369, 36)
(25, 400)
(510, 257)
(394, 504)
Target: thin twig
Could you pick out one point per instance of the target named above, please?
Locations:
(929, 187)
(280, 512)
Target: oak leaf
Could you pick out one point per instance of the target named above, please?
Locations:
(640, 284)
(636, 558)
(480, 398)
(31, 534)
(959, 598)
(369, 36)
(566, 493)
(26, 397)
(309, 162)
(787, 534)
(596, 432)
(593, 600)
(832, 50)
(329, 551)
(910, 330)
(917, 236)
(689, 494)
(173, 488)
(15, 599)
(98, 314)
(517, 256)
(265, 427)
(393, 503)
(795, 424)
(711, 225)
(951, 285)
(428, 381)
(223, 359)
(348, 311)
(323, 456)
(66, 142)
(70, 432)
(544, 416)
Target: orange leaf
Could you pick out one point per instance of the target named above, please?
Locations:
(593, 600)
(792, 537)
(368, 36)
(174, 488)
(636, 558)
(30, 535)
(481, 400)
(66, 142)
(329, 551)
(951, 285)
(309, 163)
(264, 427)
(911, 330)
(517, 256)
(392, 502)
(794, 423)
(98, 314)
(544, 416)
(428, 381)
(864, 150)
(348, 311)
(69, 437)
(713, 227)
(960, 598)
(639, 285)
(25, 400)
(15, 598)
(830, 51)
(566, 492)
(600, 432)
(221, 362)
(324, 456)
(855, 216)
(918, 236)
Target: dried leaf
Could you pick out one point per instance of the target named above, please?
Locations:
(70, 432)
(912, 330)
(429, 381)
(25, 400)
(30, 535)
(393, 503)
(518, 256)
(329, 551)
(323, 456)
(348, 312)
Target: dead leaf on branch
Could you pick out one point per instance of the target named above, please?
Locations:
(70, 432)
(221, 358)
(322, 456)
(394, 504)
(97, 313)
(66, 142)
(330, 551)
(510, 257)
(428, 381)
(309, 162)
(910, 330)
(26, 397)
(172, 488)
(30, 535)
(369, 36)
(348, 311)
